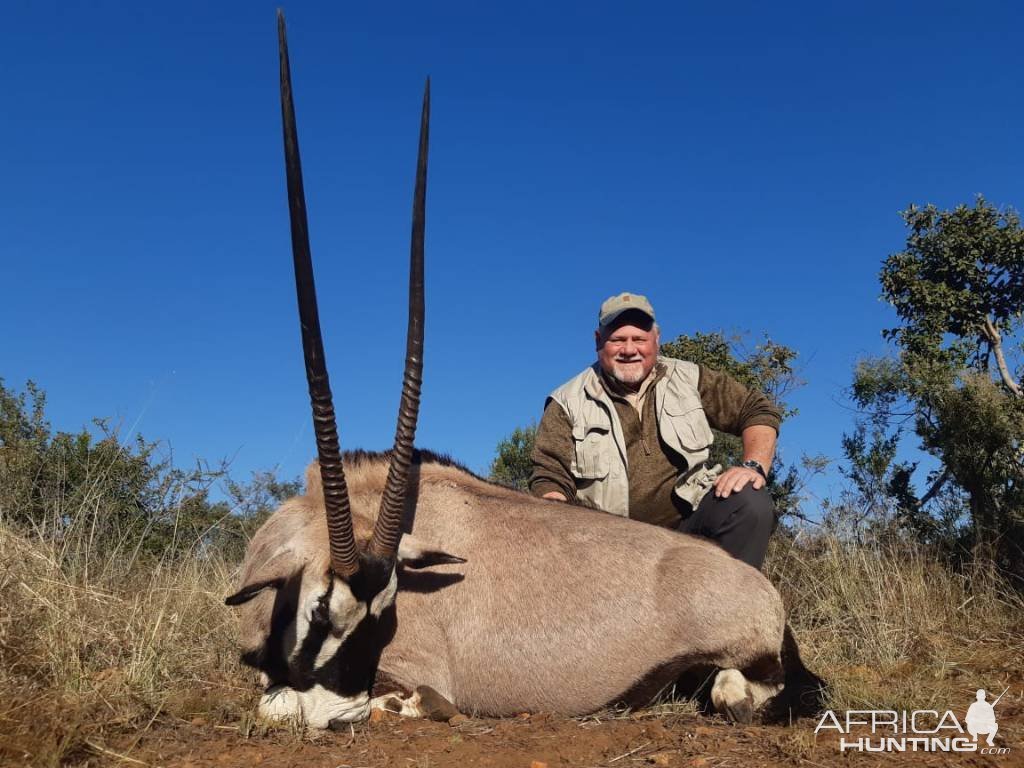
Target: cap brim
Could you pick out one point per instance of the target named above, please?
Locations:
(613, 316)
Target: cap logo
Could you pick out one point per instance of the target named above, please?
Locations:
(614, 306)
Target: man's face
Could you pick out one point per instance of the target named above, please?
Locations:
(627, 352)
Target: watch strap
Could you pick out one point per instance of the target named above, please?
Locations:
(756, 466)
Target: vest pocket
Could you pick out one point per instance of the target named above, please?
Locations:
(690, 426)
(592, 460)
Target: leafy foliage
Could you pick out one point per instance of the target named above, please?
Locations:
(958, 289)
(768, 367)
(959, 268)
(511, 465)
(123, 495)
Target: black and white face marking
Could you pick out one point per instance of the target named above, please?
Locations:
(320, 659)
(341, 631)
(326, 639)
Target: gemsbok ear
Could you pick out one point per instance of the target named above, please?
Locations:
(414, 554)
(249, 591)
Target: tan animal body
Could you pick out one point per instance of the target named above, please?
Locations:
(495, 601)
(557, 608)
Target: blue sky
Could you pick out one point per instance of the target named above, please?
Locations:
(743, 165)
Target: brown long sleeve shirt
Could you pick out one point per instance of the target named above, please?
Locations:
(652, 468)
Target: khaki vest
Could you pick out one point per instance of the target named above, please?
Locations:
(599, 461)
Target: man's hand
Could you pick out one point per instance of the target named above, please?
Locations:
(735, 479)
(759, 445)
(555, 496)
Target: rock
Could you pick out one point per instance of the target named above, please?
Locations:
(659, 758)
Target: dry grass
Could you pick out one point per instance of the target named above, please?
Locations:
(890, 626)
(96, 644)
(89, 644)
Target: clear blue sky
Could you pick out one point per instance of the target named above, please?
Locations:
(743, 165)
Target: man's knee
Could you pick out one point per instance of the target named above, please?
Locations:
(757, 507)
(740, 523)
(749, 509)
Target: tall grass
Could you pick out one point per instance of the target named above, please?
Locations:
(96, 640)
(891, 626)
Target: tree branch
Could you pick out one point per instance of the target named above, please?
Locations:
(996, 342)
(800, 516)
(936, 487)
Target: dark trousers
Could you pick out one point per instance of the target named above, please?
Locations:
(739, 524)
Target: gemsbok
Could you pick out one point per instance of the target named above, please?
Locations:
(465, 594)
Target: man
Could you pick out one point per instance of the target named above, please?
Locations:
(981, 718)
(631, 435)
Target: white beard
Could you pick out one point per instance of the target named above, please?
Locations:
(629, 373)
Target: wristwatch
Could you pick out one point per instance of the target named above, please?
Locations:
(756, 466)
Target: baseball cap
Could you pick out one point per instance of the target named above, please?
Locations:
(624, 302)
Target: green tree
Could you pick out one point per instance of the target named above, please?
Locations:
(511, 465)
(90, 490)
(24, 436)
(866, 509)
(954, 381)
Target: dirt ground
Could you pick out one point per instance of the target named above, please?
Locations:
(643, 738)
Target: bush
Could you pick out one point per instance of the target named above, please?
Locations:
(116, 497)
(512, 466)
